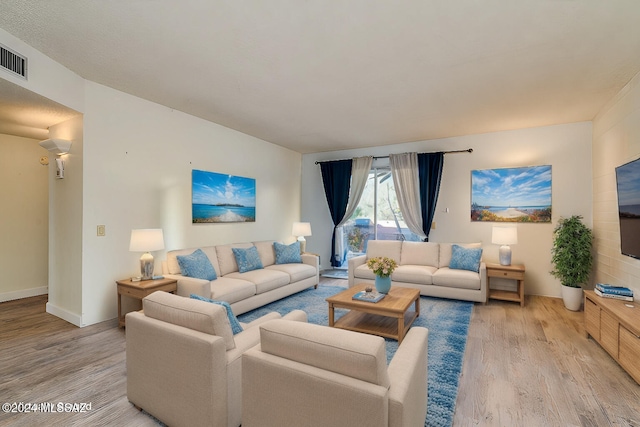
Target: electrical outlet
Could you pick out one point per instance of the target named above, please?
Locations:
(101, 231)
(433, 225)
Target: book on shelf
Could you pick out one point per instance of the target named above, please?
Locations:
(614, 296)
(368, 296)
(616, 290)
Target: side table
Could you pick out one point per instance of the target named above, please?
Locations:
(515, 272)
(140, 290)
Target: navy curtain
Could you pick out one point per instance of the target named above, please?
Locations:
(429, 174)
(336, 177)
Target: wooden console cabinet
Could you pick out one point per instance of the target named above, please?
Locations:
(616, 327)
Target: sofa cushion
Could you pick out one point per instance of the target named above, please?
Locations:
(197, 265)
(296, 272)
(266, 251)
(463, 279)
(388, 248)
(418, 274)
(359, 356)
(465, 258)
(232, 290)
(287, 254)
(236, 328)
(172, 261)
(247, 259)
(420, 253)
(226, 259)
(264, 279)
(364, 272)
(445, 252)
(189, 313)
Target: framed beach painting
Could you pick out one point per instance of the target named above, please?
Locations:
(217, 197)
(511, 194)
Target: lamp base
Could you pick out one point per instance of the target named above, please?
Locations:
(303, 244)
(505, 255)
(146, 266)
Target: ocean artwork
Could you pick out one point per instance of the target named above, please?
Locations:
(219, 198)
(511, 194)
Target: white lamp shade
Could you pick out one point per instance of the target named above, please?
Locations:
(504, 235)
(146, 240)
(301, 229)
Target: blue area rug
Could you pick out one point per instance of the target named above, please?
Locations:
(447, 321)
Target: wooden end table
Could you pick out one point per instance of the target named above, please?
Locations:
(140, 290)
(389, 317)
(514, 272)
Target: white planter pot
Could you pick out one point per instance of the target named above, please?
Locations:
(572, 297)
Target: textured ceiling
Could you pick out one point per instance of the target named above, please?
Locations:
(326, 75)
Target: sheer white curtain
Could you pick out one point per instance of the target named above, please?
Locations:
(404, 169)
(360, 168)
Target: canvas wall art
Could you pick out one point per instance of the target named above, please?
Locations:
(511, 194)
(219, 197)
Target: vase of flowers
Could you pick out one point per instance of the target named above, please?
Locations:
(382, 267)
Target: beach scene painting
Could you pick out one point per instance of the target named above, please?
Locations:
(511, 194)
(219, 198)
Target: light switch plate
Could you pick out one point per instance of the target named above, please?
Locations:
(101, 231)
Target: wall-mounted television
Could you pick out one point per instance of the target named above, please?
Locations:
(628, 185)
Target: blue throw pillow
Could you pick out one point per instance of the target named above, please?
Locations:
(465, 258)
(287, 254)
(247, 259)
(197, 265)
(236, 327)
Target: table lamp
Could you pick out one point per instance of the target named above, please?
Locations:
(504, 236)
(301, 229)
(146, 240)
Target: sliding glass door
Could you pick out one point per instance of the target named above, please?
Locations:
(376, 217)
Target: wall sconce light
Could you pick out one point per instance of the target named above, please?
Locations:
(301, 229)
(146, 240)
(504, 236)
(57, 147)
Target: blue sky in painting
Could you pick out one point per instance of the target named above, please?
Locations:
(211, 188)
(628, 181)
(516, 187)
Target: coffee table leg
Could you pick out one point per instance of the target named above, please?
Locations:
(418, 306)
(400, 328)
(330, 314)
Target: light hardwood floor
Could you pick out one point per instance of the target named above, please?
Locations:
(528, 366)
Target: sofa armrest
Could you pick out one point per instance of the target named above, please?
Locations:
(191, 285)
(354, 263)
(408, 375)
(483, 281)
(310, 259)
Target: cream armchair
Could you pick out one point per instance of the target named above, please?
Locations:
(184, 363)
(316, 376)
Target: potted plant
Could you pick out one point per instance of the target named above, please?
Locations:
(572, 258)
(382, 267)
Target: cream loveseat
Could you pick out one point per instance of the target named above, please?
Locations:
(316, 376)
(184, 364)
(248, 290)
(424, 266)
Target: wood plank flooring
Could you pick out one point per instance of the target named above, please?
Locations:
(528, 366)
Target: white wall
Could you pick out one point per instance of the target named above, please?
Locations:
(138, 158)
(567, 148)
(616, 140)
(65, 226)
(23, 219)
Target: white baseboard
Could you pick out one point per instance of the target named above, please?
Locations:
(72, 318)
(24, 293)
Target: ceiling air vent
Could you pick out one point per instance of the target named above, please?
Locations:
(13, 62)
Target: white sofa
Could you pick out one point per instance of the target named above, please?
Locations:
(424, 266)
(184, 365)
(249, 290)
(315, 376)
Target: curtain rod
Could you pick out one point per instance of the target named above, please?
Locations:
(468, 150)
